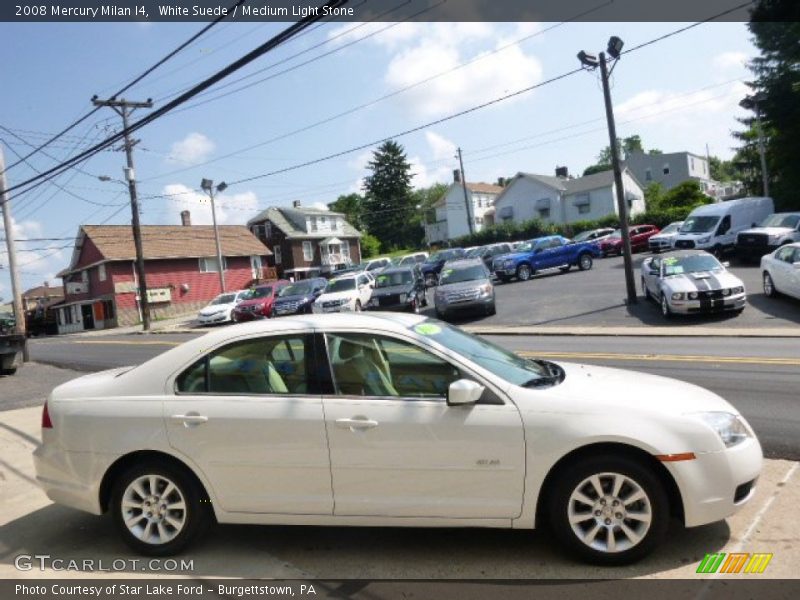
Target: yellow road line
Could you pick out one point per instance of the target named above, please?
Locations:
(752, 360)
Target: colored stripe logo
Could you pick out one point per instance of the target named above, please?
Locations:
(735, 562)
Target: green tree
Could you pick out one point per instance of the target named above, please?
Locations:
(370, 246)
(351, 205)
(388, 201)
(724, 170)
(625, 146)
(775, 25)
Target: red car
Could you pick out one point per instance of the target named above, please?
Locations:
(640, 234)
(258, 304)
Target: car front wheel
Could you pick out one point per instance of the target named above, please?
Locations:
(609, 510)
(523, 272)
(158, 509)
(666, 311)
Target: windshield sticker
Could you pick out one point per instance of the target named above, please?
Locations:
(446, 272)
(427, 329)
(670, 260)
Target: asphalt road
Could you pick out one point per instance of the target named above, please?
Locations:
(760, 376)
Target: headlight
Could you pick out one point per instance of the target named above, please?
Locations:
(692, 295)
(774, 238)
(738, 290)
(730, 428)
(678, 296)
(509, 263)
(486, 289)
(726, 292)
(704, 240)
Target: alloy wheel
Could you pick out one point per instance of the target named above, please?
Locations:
(769, 287)
(585, 262)
(153, 509)
(523, 272)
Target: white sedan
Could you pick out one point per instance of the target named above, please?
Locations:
(220, 309)
(391, 420)
(780, 271)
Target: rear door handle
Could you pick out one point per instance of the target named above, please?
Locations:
(356, 423)
(190, 419)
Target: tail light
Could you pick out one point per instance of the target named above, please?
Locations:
(46, 422)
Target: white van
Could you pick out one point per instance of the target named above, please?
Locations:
(714, 227)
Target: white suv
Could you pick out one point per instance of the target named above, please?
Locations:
(346, 293)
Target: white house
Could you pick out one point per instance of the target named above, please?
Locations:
(450, 218)
(561, 200)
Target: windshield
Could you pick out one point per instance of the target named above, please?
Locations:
(462, 274)
(391, 279)
(671, 228)
(697, 263)
(443, 255)
(499, 361)
(779, 220)
(474, 252)
(582, 237)
(340, 285)
(259, 292)
(616, 234)
(297, 289)
(524, 247)
(223, 299)
(699, 224)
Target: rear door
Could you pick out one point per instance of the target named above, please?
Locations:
(398, 450)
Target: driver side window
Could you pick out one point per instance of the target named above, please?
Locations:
(724, 225)
(373, 365)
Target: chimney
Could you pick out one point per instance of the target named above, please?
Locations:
(296, 203)
(562, 172)
(186, 218)
(501, 181)
(456, 176)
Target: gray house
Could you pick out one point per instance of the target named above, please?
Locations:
(671, 169)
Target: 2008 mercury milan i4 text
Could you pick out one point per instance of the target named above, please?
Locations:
(389, 419)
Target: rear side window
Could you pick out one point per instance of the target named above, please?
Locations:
(260, 366)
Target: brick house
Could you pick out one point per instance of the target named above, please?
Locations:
(100, 288)
(306, 242)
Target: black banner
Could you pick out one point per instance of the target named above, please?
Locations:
(374, 10)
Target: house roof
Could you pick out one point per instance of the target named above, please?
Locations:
(577, 185)
(115, 242)
(291, 221)
(43, 291)
(478, 188)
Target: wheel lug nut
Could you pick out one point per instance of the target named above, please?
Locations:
(608, 521)
(615, 503)
(618, 515)
(603, 501)
(597, 513)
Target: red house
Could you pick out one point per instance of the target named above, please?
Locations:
(100, 287)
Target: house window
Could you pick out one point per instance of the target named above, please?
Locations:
(323, 222)
(346, 251)
(108, 309)
(478, 221)
(544, 213)
(308, 252)
(85, 276)
(666, 169)
(267, 229)
(648, 174)
(210, 265)
(277, 253)
(101, 272)
(584, 208)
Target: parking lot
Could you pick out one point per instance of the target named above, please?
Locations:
(596, 298)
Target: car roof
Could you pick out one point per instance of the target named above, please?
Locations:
(464, 263)
(398, 269)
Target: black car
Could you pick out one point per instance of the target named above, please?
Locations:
(433, 266)
(297, 298)
(398, 288)
(487, 253)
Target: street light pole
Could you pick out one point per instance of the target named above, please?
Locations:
(208, 186)
(622, 203)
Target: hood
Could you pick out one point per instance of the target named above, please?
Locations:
(512, 256)
(694, 234)
(294, 298)
(664, 236)
(776, 231)
(701, 281)
(216, 308)
(395, 289)
(631, 390)
(462, 285)
(91, 385)
(255, 302)
(346, 295)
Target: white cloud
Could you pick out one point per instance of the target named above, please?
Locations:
(191, 150)
(441, 147)
(730, 60)
(320, 206)
(232, 209)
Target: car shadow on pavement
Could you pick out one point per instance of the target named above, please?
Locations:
(779, 307)
(648, 312)
(341, 552)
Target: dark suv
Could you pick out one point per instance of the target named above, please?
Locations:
(398, 288)
(297, 298)
(433, 266)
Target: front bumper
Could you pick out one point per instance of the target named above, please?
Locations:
(717, 484)
(319, 309)
(750, 252)
(466, 305)
(396, 307)
(659, 245)
(212, 319)
(708, 305)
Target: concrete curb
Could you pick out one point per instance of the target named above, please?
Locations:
(762, 332)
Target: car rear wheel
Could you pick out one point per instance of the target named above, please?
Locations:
(585, 262)
(158, 509)
(609, 510)
(769, 286)
(524, 272)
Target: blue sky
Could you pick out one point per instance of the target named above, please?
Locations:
(678, 94)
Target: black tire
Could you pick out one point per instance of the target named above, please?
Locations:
(647, 295)
(358, 306)
(430, 280)
(504, 278)
(524, 272)
(717, 251)
(492, 310)
(609, 523)
(666, 312)
(769, 285)
(585, 262)
(441, 315)
(197, 514)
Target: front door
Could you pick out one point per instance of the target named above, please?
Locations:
(249, 415)
(87, 314)
(397, 448)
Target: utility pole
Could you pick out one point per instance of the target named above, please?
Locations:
(208, 186)
(470, 224)
(125, 109)
(622, 204)
(16, 292)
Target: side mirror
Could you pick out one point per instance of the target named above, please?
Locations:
(726, 264)
(464, 391)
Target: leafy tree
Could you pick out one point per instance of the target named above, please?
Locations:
(625, 146)
(388, 201)
(775, 25)
(351, 205)
(654, 152)
(686, 195)
(724, 170)
(370, 246)
(599, 168)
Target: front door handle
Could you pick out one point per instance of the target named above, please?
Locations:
(356, 423)
(188, 420)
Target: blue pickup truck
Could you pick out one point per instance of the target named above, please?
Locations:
(551, 252)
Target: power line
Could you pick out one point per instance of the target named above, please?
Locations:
(271, 44)
(131, 84)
